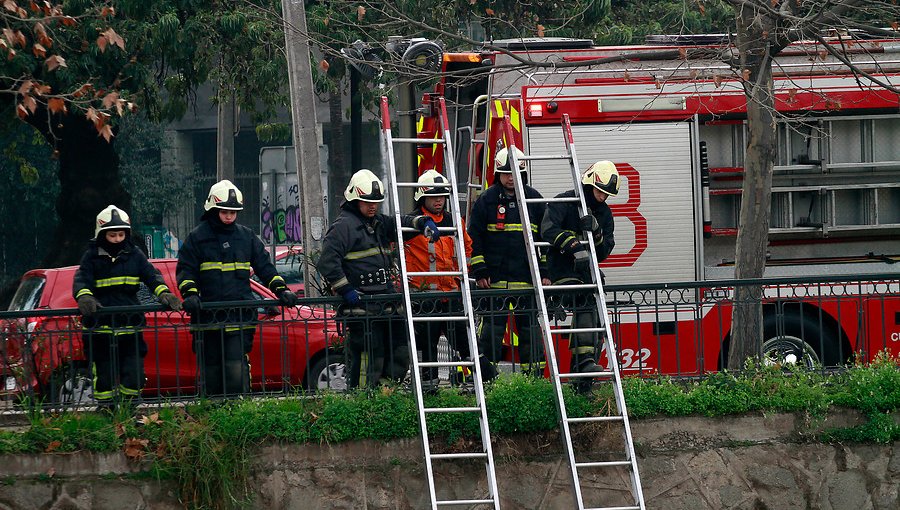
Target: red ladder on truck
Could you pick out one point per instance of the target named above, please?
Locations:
(467, 318)
(541, 291)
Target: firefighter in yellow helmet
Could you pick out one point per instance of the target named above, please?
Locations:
(426, 255)
(569, 260)
(214, 265)
(500, 261)
(357, 260)
(110, 274)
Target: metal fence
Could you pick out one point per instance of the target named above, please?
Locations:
(49, 358)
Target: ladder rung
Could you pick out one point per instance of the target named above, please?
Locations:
(569, 287)
(567, 331)
(633, 507)
(587, 375)
(540, 157)
(441, 364)
(458, 318)
(609, 463)
(589, 419)
(441, 410)
(417, 231)
(434, 273)
(551, 200)
(421, 141)
(460, 502)
(541, 244)
(408, 185)
(470, 455)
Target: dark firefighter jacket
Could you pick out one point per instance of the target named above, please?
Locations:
(115, 281)
(498, 247)
(356, 252)
(422, 255)
(561, 226)
(215, 262)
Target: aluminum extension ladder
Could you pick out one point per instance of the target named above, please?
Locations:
(540, 290)
(467, 318)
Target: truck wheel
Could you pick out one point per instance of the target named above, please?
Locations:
(800, 341)
(328, 373)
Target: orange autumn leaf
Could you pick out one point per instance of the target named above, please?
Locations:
(29, 103)
(324, 65)
(53, 446)
(21, 111)
(38, 50)
(489, 11)
(55, 61)
(540, 30)
(360, 13)
(57, 105)
(106, 132)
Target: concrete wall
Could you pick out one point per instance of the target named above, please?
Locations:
(752, 462)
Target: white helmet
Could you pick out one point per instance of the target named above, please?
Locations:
(112, 218)
(364, 186)
(501, 160)
(433, 185)
(224, 195)
(603, 176)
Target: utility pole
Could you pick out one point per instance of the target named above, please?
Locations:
(225, 130)
(303, 116)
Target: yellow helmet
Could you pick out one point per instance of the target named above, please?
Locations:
(224, 195)
(364, 186)
(501, 160)
(433, 185)
(112, 218)
(603, 176)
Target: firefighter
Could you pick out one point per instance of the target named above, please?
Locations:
(423, 254)
(110, 274)
(500, 261)
(357, 260)
(214, 265)
(569, 260)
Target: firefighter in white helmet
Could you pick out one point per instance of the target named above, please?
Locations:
(423, 255)
(110, 274)
(500, 261)
(357, 260)
(569, 259)
(214, 265)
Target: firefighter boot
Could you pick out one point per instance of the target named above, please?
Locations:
(583, 362)
(488, 370)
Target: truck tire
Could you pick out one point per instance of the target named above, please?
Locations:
(800, 340)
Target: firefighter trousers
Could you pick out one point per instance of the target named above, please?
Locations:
(224, 365)
(117, 358)
(377, 348)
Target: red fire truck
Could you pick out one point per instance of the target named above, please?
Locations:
(676, 128)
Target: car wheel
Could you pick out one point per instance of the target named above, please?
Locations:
(328, 373)
(75, 391)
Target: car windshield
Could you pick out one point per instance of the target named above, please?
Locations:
(28, 295)
(291, 269)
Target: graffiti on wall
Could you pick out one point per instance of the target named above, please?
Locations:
(281, 225)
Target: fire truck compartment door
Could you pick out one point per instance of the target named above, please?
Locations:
(655, 224)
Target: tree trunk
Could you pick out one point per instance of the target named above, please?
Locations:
(753, 227)
(89, 181)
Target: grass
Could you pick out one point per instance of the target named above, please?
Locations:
(205, 447)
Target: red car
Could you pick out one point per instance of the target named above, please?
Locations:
(42, 351)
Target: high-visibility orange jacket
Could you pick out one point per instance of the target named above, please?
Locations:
(421, 255)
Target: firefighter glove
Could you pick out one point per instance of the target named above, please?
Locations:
(192, 304)
(286, 297)
(588, 222)
(170, 301)
(582, 261)
(88, 305)
(351, 296)
(430, 230)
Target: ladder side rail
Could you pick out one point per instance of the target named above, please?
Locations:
(417, 378)
(468, 309)
(599, 295)
(543, 316)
